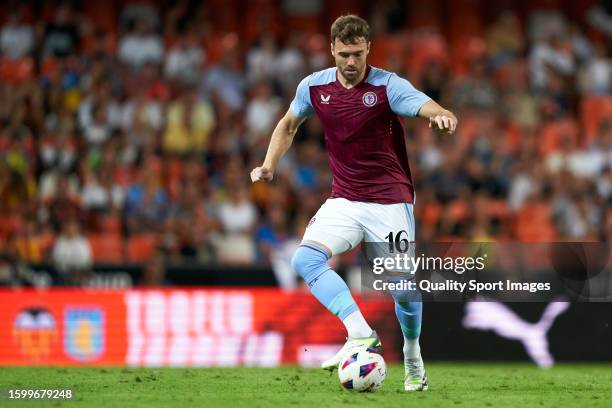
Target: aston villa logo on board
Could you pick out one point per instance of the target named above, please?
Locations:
(84, 333)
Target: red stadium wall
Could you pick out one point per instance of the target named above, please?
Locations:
(228, 327)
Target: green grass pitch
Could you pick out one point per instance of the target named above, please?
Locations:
(451, 385)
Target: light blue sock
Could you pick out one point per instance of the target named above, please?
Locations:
(409, 315)
(309, 262)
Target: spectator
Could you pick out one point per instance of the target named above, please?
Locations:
(94, 196)
(282, 253)
(595, 77)
(185, 60)
(189, 122)
(550, 53)
(290, 63)
(520, 105)
(62, 35)
(262, 113)
(272, 234)
(189, 206)
(573, 159)
(305, 173)
(139, 11)
(32, 243)
(13, 268)
(600, 17)
(140, 45)
(149, 80)
(142, 119)
(238, 213)
(262, 60)
(526, 183)
(55, 186)
(146, 204)
(58, 152)
(476, 90)
(225, 82)
(72, 254)
(154, 273)
(604, 184)
(17, 183)
(98, 131)
(16, 36)
(505, 39)
(237, 217)
(195, 243)
(434, 79)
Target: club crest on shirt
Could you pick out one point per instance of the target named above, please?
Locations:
(369, 99)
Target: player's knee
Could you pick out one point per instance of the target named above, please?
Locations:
(409, 308)
(309, 263)
(406, 298)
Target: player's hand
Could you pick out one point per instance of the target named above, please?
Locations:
(444, 122)
(261, 174)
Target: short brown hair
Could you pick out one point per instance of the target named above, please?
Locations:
(349, 29)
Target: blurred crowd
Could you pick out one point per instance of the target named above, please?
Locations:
(130, 137)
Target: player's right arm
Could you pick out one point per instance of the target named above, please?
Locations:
(281, 140)
(283, 134)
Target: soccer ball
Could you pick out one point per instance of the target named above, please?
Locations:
(362, 370)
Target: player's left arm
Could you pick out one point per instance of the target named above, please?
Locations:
(406, 100)
(438, 116)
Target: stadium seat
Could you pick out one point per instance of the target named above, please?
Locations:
(307, 23)
(534, 223)
(464, 49)
(49, 66)
(10, 224)
(592, 110)
(387, 47)
(106, 247)
(17, 70)
(31, 248)
(458, 210)
(47, 239)
(124, 175)
(551, 135)
(174, 175)
(141, 247)
(423, 49)
(103, 18)
(431, 213)
(498, 209)
(110, 41)
(266, 17)
(467, 23)
(226, 19)
(215, 48)
(111, 224)
(513, 135)
(540, 5)
(467, 130)
(337, 8)
(424, 16)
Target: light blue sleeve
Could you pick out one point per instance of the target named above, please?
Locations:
(301, 106)
(404, 99)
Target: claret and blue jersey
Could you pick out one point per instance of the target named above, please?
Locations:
(364, 134)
